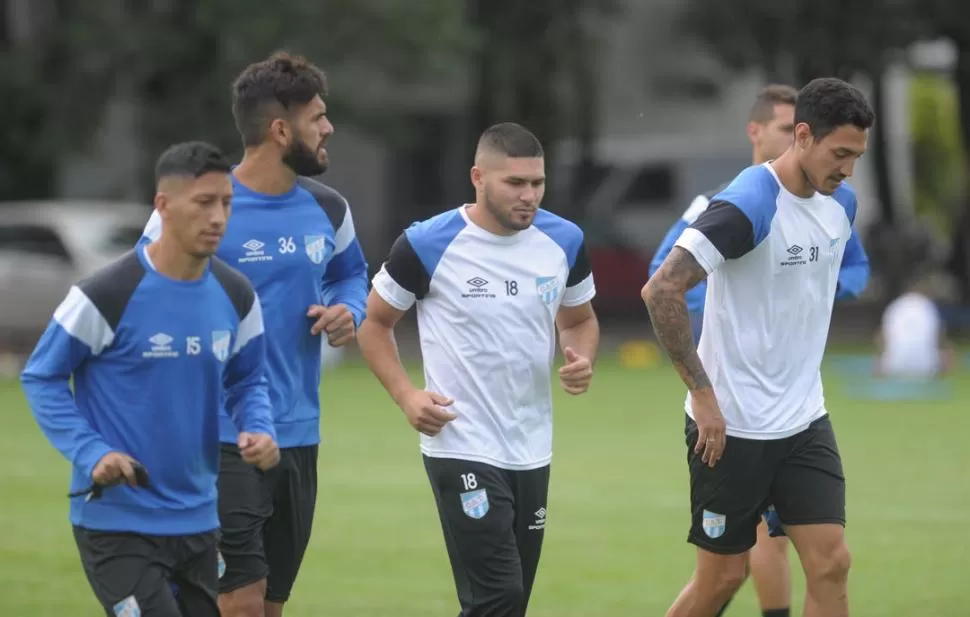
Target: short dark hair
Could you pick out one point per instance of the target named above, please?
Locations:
(191, 158)
(763, 109)
(827, 103)
(512, 140)
(271, 87)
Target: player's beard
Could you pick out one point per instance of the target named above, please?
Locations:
(302, 160)
(504, 219)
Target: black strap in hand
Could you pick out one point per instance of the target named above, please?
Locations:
(96, 490)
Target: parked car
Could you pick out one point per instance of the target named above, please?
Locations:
(46, 246)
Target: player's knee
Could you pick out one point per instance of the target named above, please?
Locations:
(832, 565)
(510, 600)
(246, 601)
(723, 576)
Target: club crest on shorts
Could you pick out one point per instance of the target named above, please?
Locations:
(475, 503)
(714, 524)
(548, 288)
(220, 344)
(316, 248)
(127, 608)
(221, 567)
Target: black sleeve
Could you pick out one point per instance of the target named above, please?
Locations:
(727, 228)
(110, 289)
(580, 269)
(405, 267)
(236, 285)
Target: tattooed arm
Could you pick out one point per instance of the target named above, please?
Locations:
(664, 296)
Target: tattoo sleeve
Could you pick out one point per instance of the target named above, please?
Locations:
(664, 297)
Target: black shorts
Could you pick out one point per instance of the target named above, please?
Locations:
(801, 476)
(493, 521)
(266, 519)
(164, 576)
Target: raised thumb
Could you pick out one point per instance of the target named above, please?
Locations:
(570, 355)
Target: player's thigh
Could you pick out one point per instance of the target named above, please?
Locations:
(245, 504)
(128, 572)
(531, 503)
(728, 499)
(197, 574)
(476, 506)
(287, 532)
(809, 483)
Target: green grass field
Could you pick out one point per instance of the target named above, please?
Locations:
(615, 541)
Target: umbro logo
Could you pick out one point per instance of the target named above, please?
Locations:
(540, 522)
(161, 347)
(161, 340)
(795, 249)
(254, 252)
(477, 281)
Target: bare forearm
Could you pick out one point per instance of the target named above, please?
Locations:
(668, 315)
(584, 338)
(380, 351)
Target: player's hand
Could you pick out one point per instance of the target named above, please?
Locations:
(576, 374)
(114, 467)
(711, 436)
(425, 411)
(259, 449)
(337, 321)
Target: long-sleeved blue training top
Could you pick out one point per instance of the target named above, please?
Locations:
(153, 361)
(298, 249)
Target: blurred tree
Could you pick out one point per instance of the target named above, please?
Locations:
(535, 65)
(948, 20)
(800, 40)
(179, 57)
(54, 84)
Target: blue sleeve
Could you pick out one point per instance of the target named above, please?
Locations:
(346, 281)
(854, 272)
(247, 388)
(46, 385)
(754, 192)
(667, 245)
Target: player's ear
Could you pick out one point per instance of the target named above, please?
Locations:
(279, 131)
(803, 135)
(754, 132)
(477, 178)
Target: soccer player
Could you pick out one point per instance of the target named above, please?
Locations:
(770, 244)
(154, 342)
(492, 282)
(770, 130)
(294, 239)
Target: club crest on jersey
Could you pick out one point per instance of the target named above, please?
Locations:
(548, 288)
(316, 248)
(714, 524)
(475, 503)
(220, 344)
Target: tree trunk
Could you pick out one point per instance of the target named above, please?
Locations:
(880, 153)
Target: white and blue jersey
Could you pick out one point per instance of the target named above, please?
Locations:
(153, 360)
(773, 261)
(298, 249)
(487, 307)
(853, 273)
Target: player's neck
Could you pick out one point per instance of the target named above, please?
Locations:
(261, 170)
(791, 176)
(172, 262)
(480, 216)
